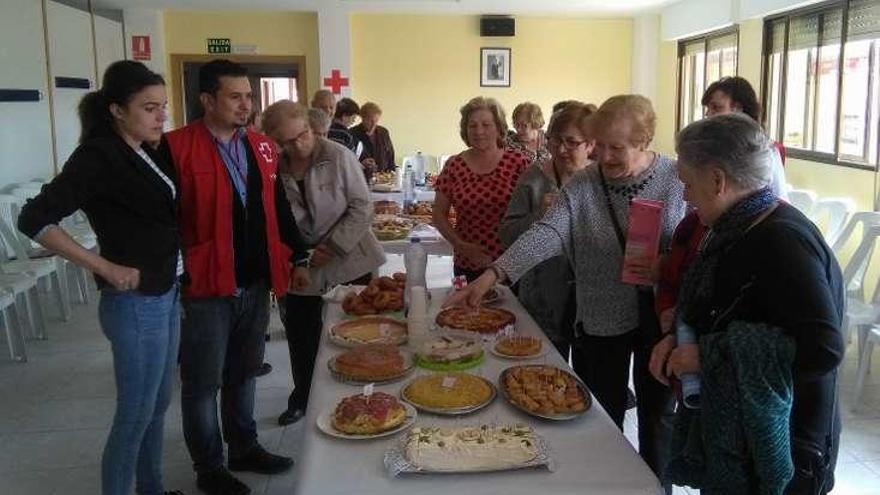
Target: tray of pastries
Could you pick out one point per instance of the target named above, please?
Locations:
(381, 295)
(375, 363)
(519, 347)
(482, 320)
(369, 330)
(391, 227)
(449, 393)
(450, 353)
(362, 417)
(545, 391)
(387, 207)
(385, 181)
(468, 449)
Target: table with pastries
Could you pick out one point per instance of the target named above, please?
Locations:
(585, 454)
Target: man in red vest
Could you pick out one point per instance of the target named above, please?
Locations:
(240, 241)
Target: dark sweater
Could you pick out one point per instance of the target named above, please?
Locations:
(797, 286)
(128, 205)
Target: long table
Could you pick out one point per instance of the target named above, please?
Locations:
(591, 454)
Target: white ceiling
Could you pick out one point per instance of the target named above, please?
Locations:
(535, 7)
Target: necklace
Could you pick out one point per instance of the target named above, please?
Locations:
(631, 190)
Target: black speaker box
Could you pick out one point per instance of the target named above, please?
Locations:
(497, 26)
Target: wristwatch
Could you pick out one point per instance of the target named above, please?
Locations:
(302, 263)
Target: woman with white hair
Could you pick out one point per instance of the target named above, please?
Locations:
(764, 299)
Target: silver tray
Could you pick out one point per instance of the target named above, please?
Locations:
(409, 363)
(457, 411)
(555, 417)
(396, 462)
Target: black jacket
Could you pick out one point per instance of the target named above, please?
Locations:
(130, 208)
(789, 278)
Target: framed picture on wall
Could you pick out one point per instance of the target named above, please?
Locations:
(495, 67)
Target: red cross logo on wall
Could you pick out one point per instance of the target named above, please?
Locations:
(336, 82)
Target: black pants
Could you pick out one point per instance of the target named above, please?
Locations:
(603, 363)
(303, 322)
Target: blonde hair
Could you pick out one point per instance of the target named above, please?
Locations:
(531, 113)
(280, 111)
(636, 110)
(483, 103)
(370, 108)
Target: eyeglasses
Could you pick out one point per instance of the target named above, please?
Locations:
(570, 144)
(299, 138)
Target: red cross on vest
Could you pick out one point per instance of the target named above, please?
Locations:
(336, 82)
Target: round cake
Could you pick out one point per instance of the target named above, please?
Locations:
(447, 353)
(518, 346)
(370, 362)
(370, 330)
(368, 415)
(448, 391)
(481, 320)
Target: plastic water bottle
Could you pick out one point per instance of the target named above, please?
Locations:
(690, 382)
(416, 262)
(409, 189)
(419, 169)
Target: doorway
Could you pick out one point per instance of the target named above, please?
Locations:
(272, 78)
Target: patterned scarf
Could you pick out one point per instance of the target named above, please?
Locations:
(695, 295)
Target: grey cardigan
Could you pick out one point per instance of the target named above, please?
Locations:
(336, 209)
(545, 290)
(579, 226)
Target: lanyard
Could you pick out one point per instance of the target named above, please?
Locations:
(236, 163)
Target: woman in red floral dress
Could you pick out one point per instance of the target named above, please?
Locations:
(478, 183)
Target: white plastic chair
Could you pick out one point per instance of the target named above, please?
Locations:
(838, 211)
(14, 337)
(803, 200)
(860, 314)
(866, 219)
(50, 270)
(872, 337)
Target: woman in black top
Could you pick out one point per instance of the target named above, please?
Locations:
(129, 196)
(764, 298)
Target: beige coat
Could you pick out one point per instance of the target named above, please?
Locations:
(337, 209)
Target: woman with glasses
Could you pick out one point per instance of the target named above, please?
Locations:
(529, 138)
(547, 291)
(328, 194)
(588, 225)
(478, 182)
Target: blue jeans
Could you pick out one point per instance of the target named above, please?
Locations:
(221, 349)
(144, 332)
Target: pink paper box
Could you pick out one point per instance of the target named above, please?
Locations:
(643, 237)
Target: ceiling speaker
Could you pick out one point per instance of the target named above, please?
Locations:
(497, 26)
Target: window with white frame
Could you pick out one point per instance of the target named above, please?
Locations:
(821, 81)
(702, 61)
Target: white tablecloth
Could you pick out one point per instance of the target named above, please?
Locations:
(421, 195)
(591, 454)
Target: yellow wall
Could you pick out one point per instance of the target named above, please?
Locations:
(422, 69)
(274, 33)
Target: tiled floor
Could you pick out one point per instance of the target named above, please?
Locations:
(56, 409)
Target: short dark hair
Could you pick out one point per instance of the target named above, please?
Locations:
(739, 91)
(560, 105)
(210, 74)
(346, 107)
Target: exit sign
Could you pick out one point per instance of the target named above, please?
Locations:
(219, 45)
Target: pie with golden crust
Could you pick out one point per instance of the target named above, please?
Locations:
(482, 320)
(518, 346)
(368, 415)
(370, 362)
